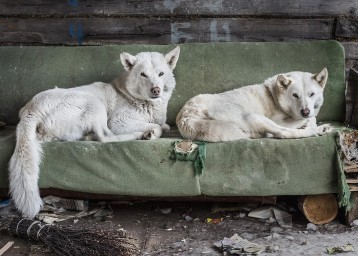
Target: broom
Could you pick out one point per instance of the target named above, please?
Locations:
(70, 241)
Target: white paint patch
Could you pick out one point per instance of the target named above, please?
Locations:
(214, 35)
(171, 4)
(177, 34)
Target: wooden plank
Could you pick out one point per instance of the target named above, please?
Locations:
(350, 167)
(351, 49)
(353, 98)
(351, 170)
(353, 189)
(352, 181)
(352, 213)
(72, 31)
(180, 7)
(347, 27)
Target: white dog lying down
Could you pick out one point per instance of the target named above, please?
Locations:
(284, 106)
(133, 106)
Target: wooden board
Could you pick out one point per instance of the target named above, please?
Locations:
(124, 30)
(181, 7)
(352, 213)
(351, 49)
(347, 28)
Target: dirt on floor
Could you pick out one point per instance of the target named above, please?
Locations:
(187, 228)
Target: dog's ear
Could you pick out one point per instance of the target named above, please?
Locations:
(321, 77)
(172, 57)
(283, 81)
(128, 61)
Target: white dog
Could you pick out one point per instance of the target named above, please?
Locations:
(133, 106)
(284, 106)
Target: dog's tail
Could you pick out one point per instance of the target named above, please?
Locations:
(210, 130)
(24, 168)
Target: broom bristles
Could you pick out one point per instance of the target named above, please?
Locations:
(74, 241)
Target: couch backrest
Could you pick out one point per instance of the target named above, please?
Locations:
(202, 68)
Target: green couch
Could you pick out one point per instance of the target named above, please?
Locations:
(261, 167)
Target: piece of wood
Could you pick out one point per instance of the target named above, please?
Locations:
(352, 214)
(351, 170)
(352, 181)
(94, 31)
(351, 49)
(319, 209)
(6, 247)
(347, 28)
(352, 87)
(181, 7)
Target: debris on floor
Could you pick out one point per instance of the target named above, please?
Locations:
(214, 220)
(272, 214)
(236, 245)
(7, 208)
(340, 249)
(58, 209)
(232, 207)
(5, 202)
(6, 247)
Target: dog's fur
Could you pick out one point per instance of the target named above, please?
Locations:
(284, 106)
(133, 106)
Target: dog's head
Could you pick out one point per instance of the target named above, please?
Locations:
(300, 94)
(150, 74)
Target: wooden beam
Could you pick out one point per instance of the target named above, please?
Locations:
(347, 28)
(352, 181)
(180, 7)
(353, 213)
(351, 49)
(92, 31)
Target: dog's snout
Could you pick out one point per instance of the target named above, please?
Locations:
(155, 91)
(305, 112)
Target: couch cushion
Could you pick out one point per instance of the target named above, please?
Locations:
(259, 167)
(202, 68)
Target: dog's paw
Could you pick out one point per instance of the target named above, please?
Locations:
(148, 135)
(166, 128)
(323, 129)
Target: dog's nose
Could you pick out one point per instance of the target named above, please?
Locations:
(155, 91)
(305, 112)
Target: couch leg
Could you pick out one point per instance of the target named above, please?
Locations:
(319, 209)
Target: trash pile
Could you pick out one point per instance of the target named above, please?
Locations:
(58, 209)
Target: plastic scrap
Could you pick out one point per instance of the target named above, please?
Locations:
(237, 245)
(340, 249)
(283, 218)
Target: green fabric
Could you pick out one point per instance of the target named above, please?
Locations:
(202, 68)
(198, 156)
(142, 168)
(271, 167)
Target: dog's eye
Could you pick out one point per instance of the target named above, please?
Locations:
(161, 73)
(312, 94)
(143, 75)
(295, 95)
